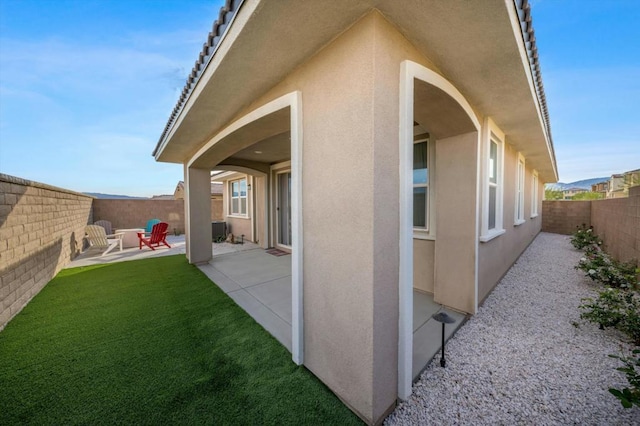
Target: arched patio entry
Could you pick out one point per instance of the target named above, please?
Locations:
(255, 143)
(438, 148)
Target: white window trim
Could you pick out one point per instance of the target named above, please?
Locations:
(534, 194)
(246, 197)
(519, 195)
(491, 132)
(428, 233)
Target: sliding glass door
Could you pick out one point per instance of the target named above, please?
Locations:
(283, 209)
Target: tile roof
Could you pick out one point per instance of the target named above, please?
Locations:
(524, 14)
(225, 16)
(231, 7)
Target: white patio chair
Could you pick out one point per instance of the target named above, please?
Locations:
(98, 238)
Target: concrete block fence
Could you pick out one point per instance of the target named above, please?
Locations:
(126, 213)
(616, 221)
(42, 230)
(562, 216)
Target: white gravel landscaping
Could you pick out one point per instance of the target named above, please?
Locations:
(520, 360)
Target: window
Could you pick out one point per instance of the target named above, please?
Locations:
(493, 183)
(519, 208)
(493, 147)
(421, 184)
(534, 194)
(238, 190)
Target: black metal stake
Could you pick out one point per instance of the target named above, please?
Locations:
(443, 318)
(443, 363)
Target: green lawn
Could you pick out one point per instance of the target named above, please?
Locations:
(150, 342)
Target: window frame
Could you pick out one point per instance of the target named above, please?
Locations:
(534, 194)
(428, 232)
(492, 134)
(518, 210)
(239, 198)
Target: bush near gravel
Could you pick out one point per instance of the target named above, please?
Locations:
(599, 266)
(629, 396)
(584, 237)
(618, 305)
(615, 308)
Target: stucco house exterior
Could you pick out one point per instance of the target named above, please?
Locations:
(619, 183)
(390, 146)
(569, 193)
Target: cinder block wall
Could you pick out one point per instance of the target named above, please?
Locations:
(135, 213)
(617, 222)
(562, 217)
(41, 230)
(216, 209)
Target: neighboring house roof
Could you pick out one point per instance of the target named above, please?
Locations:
(216, 187)
(163, 197)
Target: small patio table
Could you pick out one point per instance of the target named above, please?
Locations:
(130, 237)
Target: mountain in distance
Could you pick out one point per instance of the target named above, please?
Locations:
(111, 196)
(583, 184)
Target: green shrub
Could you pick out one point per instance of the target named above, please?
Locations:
(615, 308)
(629, 396)
(600, 267)
(584, 237)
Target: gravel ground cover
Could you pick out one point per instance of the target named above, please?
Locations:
(521, 360)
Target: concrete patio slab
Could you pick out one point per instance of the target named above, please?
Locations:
(253, 267)
(259, 283)
(264, 316)
(93, 257)
(225, 283)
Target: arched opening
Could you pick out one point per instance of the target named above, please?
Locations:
(438, 218)
(252, 152)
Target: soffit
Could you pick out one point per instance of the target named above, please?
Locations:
(472, 43)
(274, 149)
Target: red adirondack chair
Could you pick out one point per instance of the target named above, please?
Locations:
(157, 236)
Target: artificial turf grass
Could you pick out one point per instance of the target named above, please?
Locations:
(150, 342)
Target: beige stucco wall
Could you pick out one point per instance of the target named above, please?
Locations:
(237, 225)
(41, 230)
(423, 265)
(350, 100)
(260, 185)
(350, 170)
(495, 257)
(455, 252)
(350, 212)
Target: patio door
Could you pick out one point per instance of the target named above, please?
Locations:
(283, 209)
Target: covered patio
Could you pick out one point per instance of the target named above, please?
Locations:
(260, 283)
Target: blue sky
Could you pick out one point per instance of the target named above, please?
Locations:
(86, 87)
